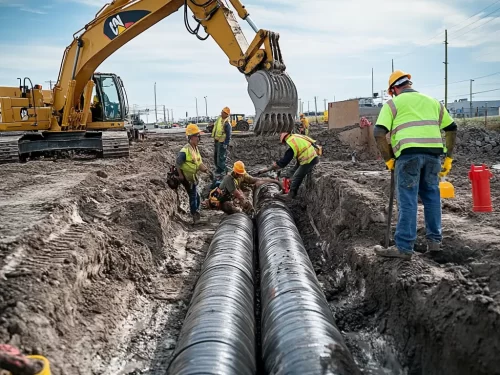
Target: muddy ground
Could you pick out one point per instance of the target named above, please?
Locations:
(98, 259)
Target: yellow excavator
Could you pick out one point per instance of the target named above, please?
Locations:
(84, 107)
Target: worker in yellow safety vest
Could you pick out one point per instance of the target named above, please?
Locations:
(414, 122)
(305, 151)
(221, 133)
(188, 164)
(304, 128)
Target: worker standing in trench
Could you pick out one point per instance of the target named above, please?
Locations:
(221, 133)
(188, 164)
(415, 122)
(305, 151)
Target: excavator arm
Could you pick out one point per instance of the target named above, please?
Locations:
(269, 86)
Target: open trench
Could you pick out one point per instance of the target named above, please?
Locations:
(102, 285)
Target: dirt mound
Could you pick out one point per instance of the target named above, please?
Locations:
(478, 143)
(99, 269)
(433, 315)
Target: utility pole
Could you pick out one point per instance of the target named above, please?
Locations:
(372, 85)
(325, 104)
(470, 113)
(300, 107)
(164, 115)
(446, 68)
(196, 110)
(50, 83)
(206, 107)
(316, 109)
(156, 112)
(172, 114)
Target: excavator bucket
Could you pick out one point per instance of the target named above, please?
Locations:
(275, 98)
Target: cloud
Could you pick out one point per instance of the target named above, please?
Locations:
(22, 6)
(328, 46)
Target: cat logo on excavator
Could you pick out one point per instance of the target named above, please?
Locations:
(118, 23)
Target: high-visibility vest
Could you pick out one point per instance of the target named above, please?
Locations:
(414, 120)
(218, 132)
(302, 147)
(192, 164)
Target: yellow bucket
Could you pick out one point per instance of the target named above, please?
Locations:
(446, 189)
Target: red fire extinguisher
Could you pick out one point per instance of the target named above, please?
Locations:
(481, 195)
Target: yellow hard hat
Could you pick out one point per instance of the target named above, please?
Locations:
(239, 167)
(226, 110)
(396, 76)
(192, 129)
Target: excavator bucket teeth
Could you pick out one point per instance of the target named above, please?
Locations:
(275, 98)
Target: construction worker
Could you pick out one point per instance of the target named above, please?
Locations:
(222, 136)
(228, 196)
(305, 151)
(415, 122)
(304, 128)
(188, 164)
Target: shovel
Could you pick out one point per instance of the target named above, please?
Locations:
(389, 216)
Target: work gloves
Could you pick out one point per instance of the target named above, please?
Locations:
(446, 168)
(390, 164)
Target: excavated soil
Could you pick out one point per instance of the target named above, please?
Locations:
(433, 315)
(97, 260)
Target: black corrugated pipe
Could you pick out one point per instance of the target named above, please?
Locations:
(299, 335)
(218, 335)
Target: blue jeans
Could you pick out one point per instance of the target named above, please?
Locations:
(417, 175)
(194, 197)
(220, 156)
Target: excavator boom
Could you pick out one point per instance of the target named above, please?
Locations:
(272, 91)
(84, 103)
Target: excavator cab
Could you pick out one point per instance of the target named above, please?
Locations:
(109, 99)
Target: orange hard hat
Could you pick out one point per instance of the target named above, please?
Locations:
(301, 115)
(395, 77)
(239, 167)
(283, 137)
(226, 110)
(192, 129)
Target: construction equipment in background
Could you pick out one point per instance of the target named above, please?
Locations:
(239, 122)
(83, 107)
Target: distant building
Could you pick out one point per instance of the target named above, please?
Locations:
(462, 108)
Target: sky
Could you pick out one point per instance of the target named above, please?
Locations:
(329, 48)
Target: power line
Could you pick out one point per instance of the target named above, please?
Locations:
(450, 28)
(475, 14)
(481, 25)
(464, 80)
(475, 93)
(480, 18)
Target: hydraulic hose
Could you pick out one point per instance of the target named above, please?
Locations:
(218, 335)
(299, 335)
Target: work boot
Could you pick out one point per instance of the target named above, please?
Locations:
(433, 246)
(196, 218)
(391, 252)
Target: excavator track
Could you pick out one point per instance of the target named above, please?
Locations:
(115, 145)
(9, 149)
